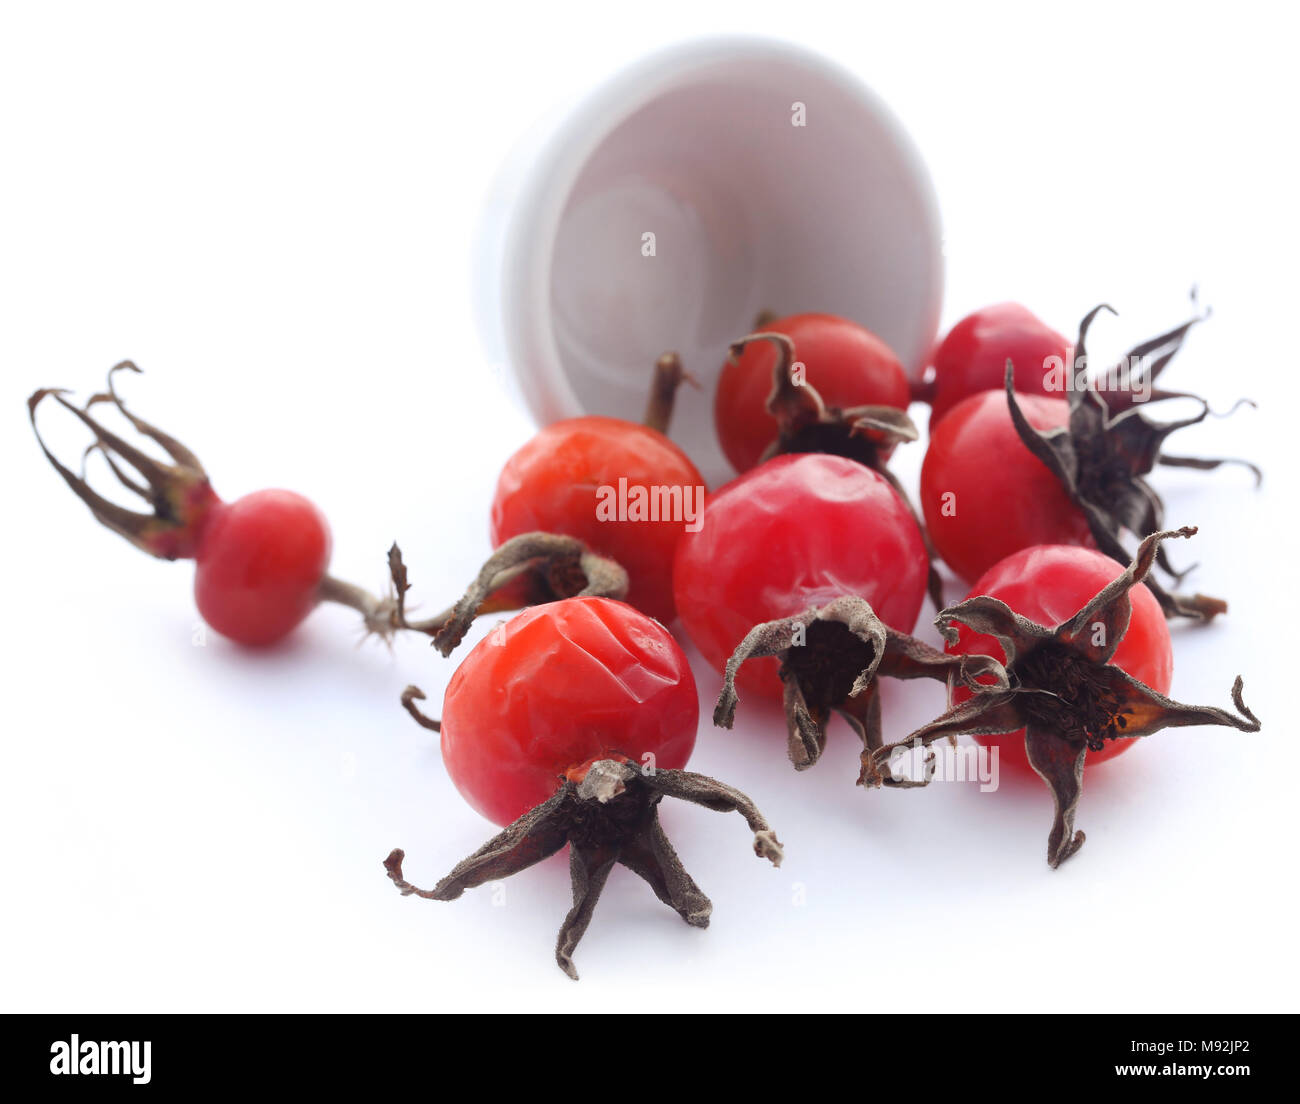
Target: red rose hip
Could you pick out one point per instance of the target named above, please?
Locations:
(569, 724)
(1048, 584)
(974, 355)
(797, 531)
(846, 364)
(558, 686)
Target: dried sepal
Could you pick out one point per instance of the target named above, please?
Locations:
(982, 714)
(608, 814)
(1062, 690)
(1139, 369)
(1108, 446)
(1059, 763)
(700, 789)
(804, 423)
(867, 434)
(831, 657)
(990, 617)
(1209, 463)
(527, 570)
(179, 494)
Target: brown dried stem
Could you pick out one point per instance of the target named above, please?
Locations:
(669, 375)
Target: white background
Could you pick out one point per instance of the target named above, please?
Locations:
(271, 209)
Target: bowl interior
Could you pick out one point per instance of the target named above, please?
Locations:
(704, 203)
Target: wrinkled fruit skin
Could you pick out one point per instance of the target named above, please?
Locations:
(551, 485)
(973, 357)
(260, 562)
(847, 364)
(1005, 498)
(796, 532)
(557, 686)
(1048, 585)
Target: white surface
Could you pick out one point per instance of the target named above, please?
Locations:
(696, 144)
(271, 210)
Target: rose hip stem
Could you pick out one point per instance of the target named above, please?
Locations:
(181, 498)
(831, 660)
(607, 812)
(1064, 692)
(669, 375)
(1103, 454)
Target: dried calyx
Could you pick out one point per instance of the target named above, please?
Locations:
(1109, 445)
(805, 423)
(1062, 689)
(607, 812)
(177, 491)
(528, 570)
(831, 660)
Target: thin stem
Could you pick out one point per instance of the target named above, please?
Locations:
(410, 696)
(379, 614)
(668, 377)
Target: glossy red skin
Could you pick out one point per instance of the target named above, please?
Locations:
(550, 484)
(557, 686)
(1006, 499)
(846, 363)
(796, 532)
(260, 561)
(973, 357)
(1050, 584)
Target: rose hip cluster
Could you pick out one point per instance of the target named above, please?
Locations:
(801, 580)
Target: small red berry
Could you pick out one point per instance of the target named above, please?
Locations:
(797, 531)
(1082, 464)
(974, 355)
(559, 685)
(623, 489)
(569, 724)
(1048, 584)
(845, 363)
(985, 495)
(260, 564)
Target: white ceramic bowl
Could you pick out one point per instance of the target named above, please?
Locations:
(697, 144)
